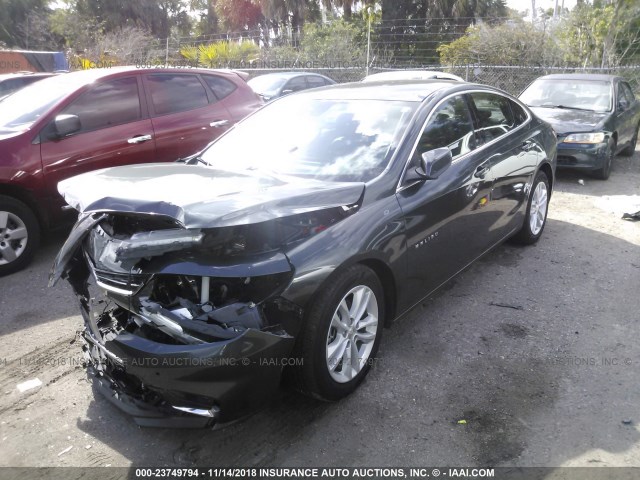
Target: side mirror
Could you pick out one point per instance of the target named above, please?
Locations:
(288, 91)
(66, 125)
(434, 163)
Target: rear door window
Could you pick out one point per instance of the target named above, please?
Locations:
(110, 103)
(171, 93)
(296, 84)
(315, 82)
(494, 116)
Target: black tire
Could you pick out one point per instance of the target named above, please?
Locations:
(631, 148)
(604, 172)
(17, 212)
(526, 235)
(312, 376)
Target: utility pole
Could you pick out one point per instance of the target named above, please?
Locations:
(533, 11)
(369, 10)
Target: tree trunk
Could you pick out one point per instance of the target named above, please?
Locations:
(346, 9)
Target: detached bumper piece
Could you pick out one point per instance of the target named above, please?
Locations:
(186, 386)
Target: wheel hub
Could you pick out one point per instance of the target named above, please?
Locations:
(13, 237)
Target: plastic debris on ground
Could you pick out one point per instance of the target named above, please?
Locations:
(632, 217)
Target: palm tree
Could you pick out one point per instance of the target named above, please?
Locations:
(346, 5)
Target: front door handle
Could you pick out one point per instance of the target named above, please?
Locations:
(219, 123)
(481, 171)
(528, 145)
(139, 139)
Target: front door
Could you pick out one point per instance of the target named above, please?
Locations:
(115, 130)
(445, 218)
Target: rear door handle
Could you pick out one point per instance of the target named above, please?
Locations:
(219, 123)
(481, 171)
(139, 139)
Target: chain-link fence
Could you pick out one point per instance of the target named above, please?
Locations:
(515, 79)
(510, 79)
(340, 51)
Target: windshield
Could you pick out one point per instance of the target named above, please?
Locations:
(335, 140)
(593, 95)
(25, 106)
(267, 84)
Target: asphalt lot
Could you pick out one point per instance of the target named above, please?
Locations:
(535, 348)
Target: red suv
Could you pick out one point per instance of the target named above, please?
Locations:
(81, 121)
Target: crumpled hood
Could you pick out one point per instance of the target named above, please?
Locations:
(203, 197)
(566, 121)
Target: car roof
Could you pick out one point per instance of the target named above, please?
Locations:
(80, 78)
(411, 75)
(289, 74)
(6, 76)
(580, 76)
(402, 90)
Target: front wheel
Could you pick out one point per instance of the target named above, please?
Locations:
(536, 215)
(341, 335)
(19, 235)
(604, 172)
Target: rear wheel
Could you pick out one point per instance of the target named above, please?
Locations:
(19, 235)
(631, 148)
(341, 335)
(604, 172)
(536, 216)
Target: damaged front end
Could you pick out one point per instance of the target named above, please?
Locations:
(185, 327)
(182, 289)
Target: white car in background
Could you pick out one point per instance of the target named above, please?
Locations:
(411, 75)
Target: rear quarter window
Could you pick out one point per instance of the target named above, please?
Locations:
(221, 87)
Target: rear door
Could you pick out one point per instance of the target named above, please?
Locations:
(115, 130)
(296, 84)
(627, 115)
(186, 115)
(513, 153)
(315, 81)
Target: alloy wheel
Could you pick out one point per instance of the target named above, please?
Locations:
(538, 210)
(352, 334)
(13, 237)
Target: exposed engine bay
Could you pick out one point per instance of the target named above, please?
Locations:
(149, 288)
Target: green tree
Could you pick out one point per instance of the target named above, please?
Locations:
(237, 15)
(412, 30)
(513, 43)
(155, 16)
(601, 34)
(24, 23)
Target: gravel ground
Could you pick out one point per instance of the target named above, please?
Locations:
(535, 348)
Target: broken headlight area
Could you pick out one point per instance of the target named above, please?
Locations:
(175, 330)
(123, 240)
(183, 309)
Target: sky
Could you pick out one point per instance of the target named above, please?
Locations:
(521, 5)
